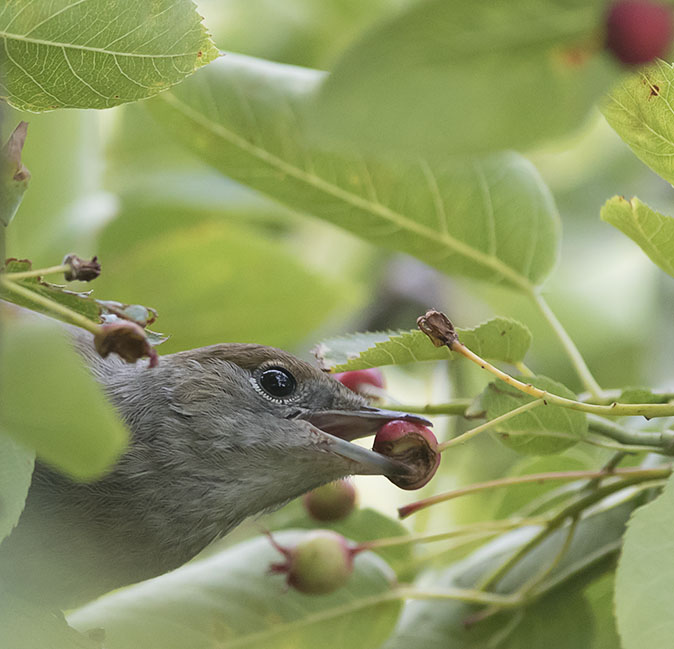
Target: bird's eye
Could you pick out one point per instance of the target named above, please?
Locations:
(277, 382)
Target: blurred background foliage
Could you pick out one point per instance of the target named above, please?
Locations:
(221, 262)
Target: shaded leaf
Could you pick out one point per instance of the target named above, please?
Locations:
(489, 75)
(645, 575)
(513, 499)
(50, 403)
(545, 429)
(500, 339)
(97, 53)
(600, 597)
(230, 600)
(440, 624)
(28, 626)
(16, 471)
(640, 110)
(652, 231)
(489, 218)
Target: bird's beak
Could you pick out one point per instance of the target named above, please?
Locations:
(342, 426)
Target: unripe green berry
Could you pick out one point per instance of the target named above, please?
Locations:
(319, 564)
(331, 502)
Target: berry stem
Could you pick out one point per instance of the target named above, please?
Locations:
(473, 432)
(53, 307)
(648, 410)
(28, 274)
(627, 476)
(463, 530)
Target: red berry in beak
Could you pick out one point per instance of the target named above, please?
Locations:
(413, 445)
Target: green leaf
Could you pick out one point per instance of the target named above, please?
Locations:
(441, 624)
(499, 339)
(600, 597)
(652, 231)
(16, 471)
(645, 576)
(461, 77)
(84, 304)
(219, 281)
(513, 499)
(81, 303)
(50, 403)
(14, 176)
(488, 218)
(644, 395)
(28, 626)
(231, 600)
(545, 429)
(97, 53)
(640, 111)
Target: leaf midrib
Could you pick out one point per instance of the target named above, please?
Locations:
(86, 48)
(359, 202)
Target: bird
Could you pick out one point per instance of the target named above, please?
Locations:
(218, 434)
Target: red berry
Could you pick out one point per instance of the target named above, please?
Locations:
(359, 380)
(320, 563)
(331, 502)
(412, 444)
(638, 31)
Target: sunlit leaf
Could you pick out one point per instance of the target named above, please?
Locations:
(488, 218)
(16, 470)
(50, 403)
(645, 574)
(500, 339)
(231, 600)
(640, 111)
(652, 231)
(97, 53)
(454, 76)
(545, 429)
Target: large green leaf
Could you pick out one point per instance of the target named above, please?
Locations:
(97, 53)
(561, 620)
(645, 576)
(230, 600)
(500, 339)
(455, 76)
(25, 625)
(545, 429)
(49, 402)
(220, 281)
(640, 111)
(16, 470)
(654, 232)
(489, 218)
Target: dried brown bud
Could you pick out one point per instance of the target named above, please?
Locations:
(127, 340)
(438, 327)
(81, 269)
